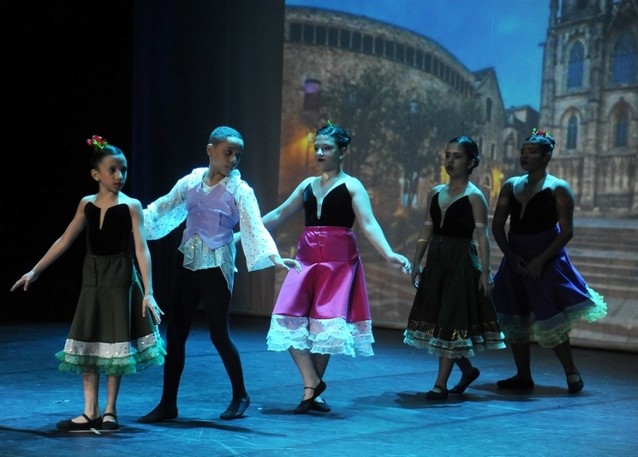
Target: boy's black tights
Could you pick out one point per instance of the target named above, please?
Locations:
(208, 286)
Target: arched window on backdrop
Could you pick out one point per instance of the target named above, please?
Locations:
(575, 66)
(624, 65)
(621, 130)
(572, 132)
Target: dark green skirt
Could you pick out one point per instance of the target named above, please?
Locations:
(108, 333)
(450, 316)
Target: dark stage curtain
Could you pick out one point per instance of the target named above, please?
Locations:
(152, 77)
(200, 64)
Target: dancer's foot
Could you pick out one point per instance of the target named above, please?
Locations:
(321, 406)
(307, 404)
(111, 423)
(437, 393)
(574, 383)
(516, 383)
(237, 408)
(84, 423)
(465, 381)
(161, 413)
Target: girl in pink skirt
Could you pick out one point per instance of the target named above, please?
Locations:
(324, 310)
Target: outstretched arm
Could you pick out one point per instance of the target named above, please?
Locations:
(291, 206)
(371, 228)
(143, 256)
(58, 248)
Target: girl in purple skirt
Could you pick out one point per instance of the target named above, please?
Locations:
(538, 293)
(324, 309)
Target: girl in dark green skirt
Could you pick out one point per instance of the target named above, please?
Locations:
(114, 330)
(453, 315)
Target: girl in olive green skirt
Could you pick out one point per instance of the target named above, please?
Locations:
(114, 330)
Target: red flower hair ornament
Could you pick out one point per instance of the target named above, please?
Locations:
(536, 132)
(96, 141)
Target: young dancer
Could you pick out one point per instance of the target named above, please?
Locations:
(114, 329)
(538, 293)
(325, 310)
(453, 314)
(212, 200)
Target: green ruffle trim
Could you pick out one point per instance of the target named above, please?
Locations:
(117, 366)
(552, 337)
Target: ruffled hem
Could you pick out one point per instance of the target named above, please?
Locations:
(113, 364)
(320, 336)
(552, 332)
(457, 348)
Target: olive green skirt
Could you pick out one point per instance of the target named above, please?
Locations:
(108, 333)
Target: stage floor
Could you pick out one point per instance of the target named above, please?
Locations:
(378, 404)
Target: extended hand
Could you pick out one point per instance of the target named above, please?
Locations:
(400, 261)
(25, 280)
(287, 263)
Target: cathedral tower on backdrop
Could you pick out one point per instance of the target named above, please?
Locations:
(589, 101)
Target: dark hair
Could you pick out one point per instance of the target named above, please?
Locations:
(340, 135)
(222, 133)
(544, 140)
(99, 153)
(470, 148)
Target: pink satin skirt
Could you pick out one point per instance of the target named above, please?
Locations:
(324, 308)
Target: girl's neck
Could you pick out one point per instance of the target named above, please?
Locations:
(331, 175)
(106, 197)
(535, 177)
(457, 185)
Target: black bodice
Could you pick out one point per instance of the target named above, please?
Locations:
(336, 210)
(540, 213)
(459, 219)
(113, 237)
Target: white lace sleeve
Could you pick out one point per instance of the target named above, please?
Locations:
(256, 241)
(166, 213)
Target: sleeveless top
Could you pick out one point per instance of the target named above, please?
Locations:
(540, 213)
(113, 237)
(336, 210)
(459, 219)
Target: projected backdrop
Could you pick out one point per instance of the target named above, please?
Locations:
(406, 76)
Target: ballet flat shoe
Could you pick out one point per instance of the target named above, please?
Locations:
(161, 413)
(69, 425)
(465, 382)
(516, 383)
(308, 404)
(236, 409)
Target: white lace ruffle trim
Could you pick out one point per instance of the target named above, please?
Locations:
(321, 336)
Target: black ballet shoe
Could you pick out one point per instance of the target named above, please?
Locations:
(110, 425)
(69, 425)
(516, 383)
(307, 405)
(161, 413)
(437, 393)
(575, 386)
(236, 409)
(465, 381)
(321, 406)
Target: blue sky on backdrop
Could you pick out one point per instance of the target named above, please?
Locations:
(504, 34)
